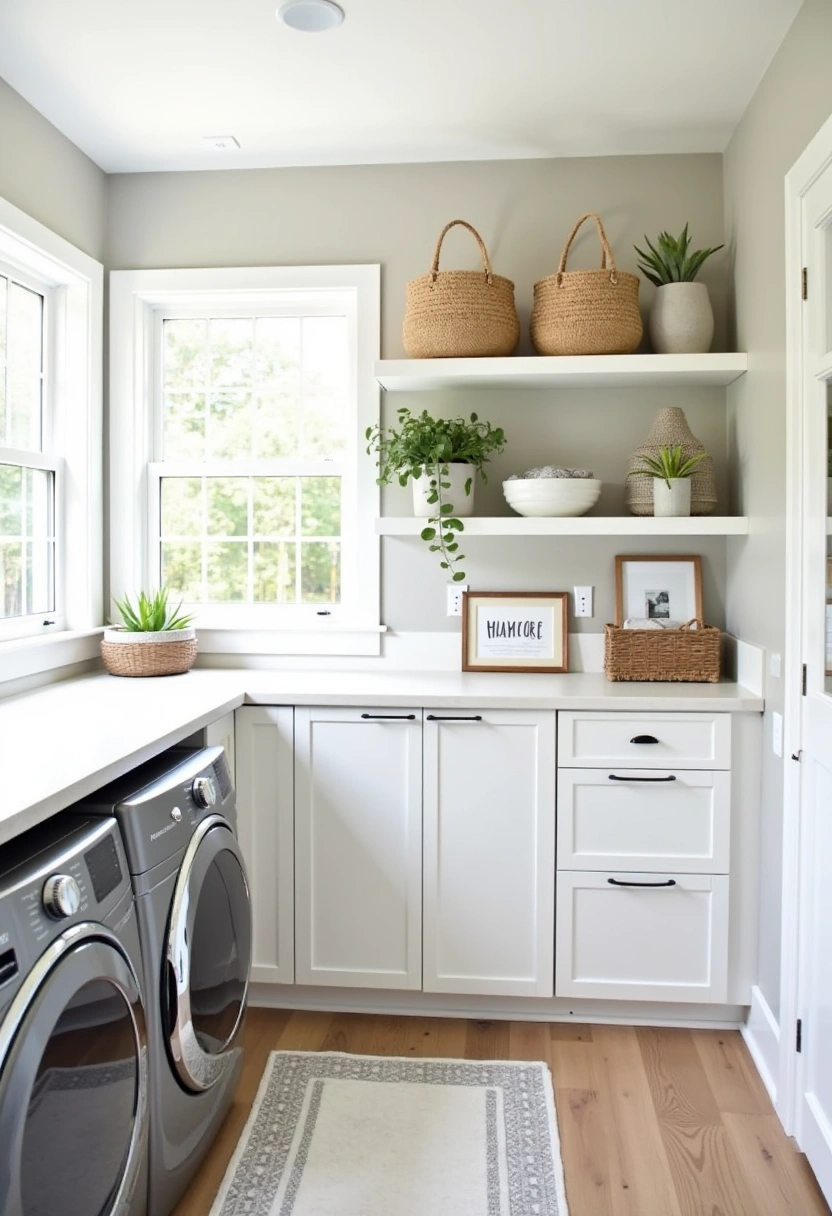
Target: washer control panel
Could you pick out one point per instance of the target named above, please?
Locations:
(61, 896)
(204, 792)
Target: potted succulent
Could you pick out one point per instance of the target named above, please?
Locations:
(681, 318)
(442, 457)
(671, 470)
(154, 639)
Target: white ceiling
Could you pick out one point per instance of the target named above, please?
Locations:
(137, 85)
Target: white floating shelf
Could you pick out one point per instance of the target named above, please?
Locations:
(565, 371)
(582, 525)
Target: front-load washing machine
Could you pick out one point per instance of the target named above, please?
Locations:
(73, 1053)
(177, 818)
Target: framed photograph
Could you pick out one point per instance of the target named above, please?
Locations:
(514, 631)
(658, 588)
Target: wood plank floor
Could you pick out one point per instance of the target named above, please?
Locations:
(652, 1122)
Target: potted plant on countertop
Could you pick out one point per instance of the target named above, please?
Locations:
(154, 639)
(681, 319)
(671, 470)
(442, 457)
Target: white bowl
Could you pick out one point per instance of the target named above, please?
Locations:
(552, 496)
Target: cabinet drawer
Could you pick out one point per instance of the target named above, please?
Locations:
(654, 943)
(661, 740)
(648, 820)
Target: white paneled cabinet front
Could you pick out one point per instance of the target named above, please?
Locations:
(489, 852)
(263, 740)
(358, 847)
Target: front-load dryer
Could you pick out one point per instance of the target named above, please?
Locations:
(73, 1052)
(177, 818)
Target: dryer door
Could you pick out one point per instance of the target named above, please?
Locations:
(73, 1082)
(208, 956)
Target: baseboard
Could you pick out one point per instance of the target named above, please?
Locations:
(762, 1037)
(496, 1008)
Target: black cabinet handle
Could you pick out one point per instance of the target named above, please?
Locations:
(613, 777)
(392, 717)
(439, 718)
(671, 882)
(644, 739)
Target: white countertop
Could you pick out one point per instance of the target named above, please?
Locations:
(61, 742)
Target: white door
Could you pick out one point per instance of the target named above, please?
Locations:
(263, 745)
(814, 1114)
(358, 847)
(489, 879)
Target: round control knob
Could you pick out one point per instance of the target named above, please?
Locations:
(61, 896)
(204, 792)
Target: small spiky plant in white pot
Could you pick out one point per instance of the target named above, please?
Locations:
(681, 319)
(154, 638)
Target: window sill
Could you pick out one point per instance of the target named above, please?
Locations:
(32, 656)
(343, 640)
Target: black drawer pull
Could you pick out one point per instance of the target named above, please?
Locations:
(644, 739)
(671, 882)
(613, 777)
(392, 717)
(439, 718)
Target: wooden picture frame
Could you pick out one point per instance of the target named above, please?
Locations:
(647, 586)
(515, 631)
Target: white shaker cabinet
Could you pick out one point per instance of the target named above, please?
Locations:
(489, 852)
(264, 746)
(358, 846)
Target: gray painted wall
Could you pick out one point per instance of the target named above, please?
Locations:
(524, 211)
(48, 177)
(792, 102)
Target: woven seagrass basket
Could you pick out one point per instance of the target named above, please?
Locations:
(460, 313)
(688, 654)
(587, 312)
(148, 654)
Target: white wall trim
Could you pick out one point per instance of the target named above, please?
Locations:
(804, 173)
(523, 1009)
(762, 1038)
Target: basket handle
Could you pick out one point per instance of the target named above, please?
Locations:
(486, 261)
(695, 623)
(607, 260)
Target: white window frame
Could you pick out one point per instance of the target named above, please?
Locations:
(138, 300)
(72, 284)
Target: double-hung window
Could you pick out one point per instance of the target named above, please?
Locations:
(50, 446)
(239, 399)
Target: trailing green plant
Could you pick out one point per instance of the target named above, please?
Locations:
(671, 262)
(422, 445)
(151, 613)
(671, 463)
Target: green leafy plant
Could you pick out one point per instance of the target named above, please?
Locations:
(671, 262)
(419, 444)
(670, 464)
(151, 613)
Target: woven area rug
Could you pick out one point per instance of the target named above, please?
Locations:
(344, 1135)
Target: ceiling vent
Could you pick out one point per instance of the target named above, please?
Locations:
(311, 16)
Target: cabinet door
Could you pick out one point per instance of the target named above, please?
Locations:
(642, 937)
(263, 744)
(489, 852)
(358, 842)
(220, 733)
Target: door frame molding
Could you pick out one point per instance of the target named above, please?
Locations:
(810, 165)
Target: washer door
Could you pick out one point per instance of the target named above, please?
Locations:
(73, 1082)
(208, 956)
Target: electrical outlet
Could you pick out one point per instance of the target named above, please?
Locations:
(774, 666)
(455, 591)
(583, 601)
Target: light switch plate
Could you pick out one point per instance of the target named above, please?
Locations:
(455, 591)
(583, 601)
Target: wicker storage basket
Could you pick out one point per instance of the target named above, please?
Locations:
(460, 313)
(663, 654)
(149, 654)
(586, 312)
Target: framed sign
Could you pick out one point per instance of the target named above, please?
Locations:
(658, 589)
(514, 631)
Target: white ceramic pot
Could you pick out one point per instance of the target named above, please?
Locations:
(458, 475)
(673, 499)
(681, 319)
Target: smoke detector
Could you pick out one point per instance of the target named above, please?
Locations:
(311, 16)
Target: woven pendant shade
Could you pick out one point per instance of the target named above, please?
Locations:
(670, 428)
